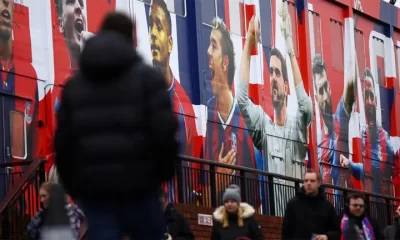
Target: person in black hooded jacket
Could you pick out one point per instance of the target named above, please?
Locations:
(309, 214)
(178, 227)
(115, 142)
(392, 232)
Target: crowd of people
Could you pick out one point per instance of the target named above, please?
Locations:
(112, 132)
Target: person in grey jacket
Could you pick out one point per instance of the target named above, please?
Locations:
(392, 232)
(283, 139)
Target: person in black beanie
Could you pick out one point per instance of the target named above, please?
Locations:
(235, 219)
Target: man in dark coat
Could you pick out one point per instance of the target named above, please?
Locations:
(309, 215)
(392, 232)
(178, 227)
(115, 143)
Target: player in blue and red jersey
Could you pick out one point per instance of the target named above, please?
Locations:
(332, 139)
(377, 151)
(227, 139)
(161, 43)
(21, 89)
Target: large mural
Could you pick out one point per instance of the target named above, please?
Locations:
(278, 86)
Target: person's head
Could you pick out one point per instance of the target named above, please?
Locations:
(221, 57)
(6, 19)
(72, 21)
(369, 96)
(232, 199)
(356, 203)
(160, 36)
(322, 89)
(120, 23)
(279, 80)
(44, 194)
(312, 182)
(163, 199)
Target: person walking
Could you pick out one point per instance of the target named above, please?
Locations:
(115, 141)
(309, 215)
(235, 219)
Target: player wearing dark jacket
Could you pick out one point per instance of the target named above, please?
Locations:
(115, 141)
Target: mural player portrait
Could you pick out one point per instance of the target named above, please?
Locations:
(227, 139)
(284, 139)
(377, 166)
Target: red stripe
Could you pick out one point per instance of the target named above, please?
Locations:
(95, 12)
(249, 10)
(227, 14)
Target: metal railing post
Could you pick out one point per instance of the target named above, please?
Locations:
(243, 186)
(180, 181)
(213, 185)
(271, 195)
(389, 210)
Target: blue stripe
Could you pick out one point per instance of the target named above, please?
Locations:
(188, 56)
(266, 28)
(388, 13)
(300, 6)
(221, 9)
(387, 103)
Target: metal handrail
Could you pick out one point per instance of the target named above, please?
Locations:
(279, 176)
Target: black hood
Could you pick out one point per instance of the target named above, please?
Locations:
(319, 196)
(107, 55)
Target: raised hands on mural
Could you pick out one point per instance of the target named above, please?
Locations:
(229, 158)
(253, 31)
(286, 27)
(357, 5)
(344, 161)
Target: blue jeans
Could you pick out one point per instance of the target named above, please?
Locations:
(141, 219)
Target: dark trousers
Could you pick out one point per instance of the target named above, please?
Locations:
(141, 219)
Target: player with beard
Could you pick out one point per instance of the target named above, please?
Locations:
(332, 139)
(227, 140)
(377, 150)
(161, 42)
(283, 140)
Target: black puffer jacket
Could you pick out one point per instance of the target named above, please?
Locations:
(250, 229)
(178, 226)
(306, 215)
(116, 129)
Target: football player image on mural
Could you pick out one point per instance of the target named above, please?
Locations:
(6, 22)
(161, 44)
(72, 23)
(284, 139)
(378, 154)
(227, 140)
(335, 126)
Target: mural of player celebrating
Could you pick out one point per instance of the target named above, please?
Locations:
(283, 140)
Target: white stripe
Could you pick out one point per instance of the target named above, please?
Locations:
(170, 5)
(200, 111)
(234, 17)
(124, 6)
(311, 24)
(41, 44)
(142, 31)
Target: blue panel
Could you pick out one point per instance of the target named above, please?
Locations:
(300, 6)
(266, 28)
(187, 45)
(208, 11)
(180, 7)
(387, 103)
(221, 9)
(205, 32)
